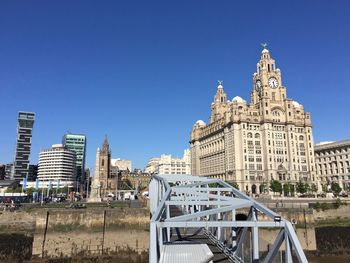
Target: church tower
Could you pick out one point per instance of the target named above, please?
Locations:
(104, 166)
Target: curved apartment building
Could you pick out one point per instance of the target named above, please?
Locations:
(57, 165)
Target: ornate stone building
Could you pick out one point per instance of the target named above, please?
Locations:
(252, 143)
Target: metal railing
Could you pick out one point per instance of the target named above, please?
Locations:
(213, 205)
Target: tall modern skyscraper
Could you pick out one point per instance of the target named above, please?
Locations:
(24, 141)
(77, 144)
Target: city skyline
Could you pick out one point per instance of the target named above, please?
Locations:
(135, 78)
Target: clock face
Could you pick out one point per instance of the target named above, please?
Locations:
(273, 82)
(258, 85)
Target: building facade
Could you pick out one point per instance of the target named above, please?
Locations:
(24, 140)
(166, 164)
(9, 171)
(33, 172)
(2, 171)
(57, 165)
(333, 163)
(77, 143)
(121, 165)
(252, 143)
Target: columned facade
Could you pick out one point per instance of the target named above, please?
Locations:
(333, 163)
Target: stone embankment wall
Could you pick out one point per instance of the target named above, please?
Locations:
(72, 232)
(343, 212)
(92, 218)
(17, 222)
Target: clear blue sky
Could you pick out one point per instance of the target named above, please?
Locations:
(144, 71)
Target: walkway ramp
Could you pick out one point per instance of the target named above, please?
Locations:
(194, 214)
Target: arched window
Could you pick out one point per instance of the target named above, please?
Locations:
(301, 137)
(257, 135)
(249, 135)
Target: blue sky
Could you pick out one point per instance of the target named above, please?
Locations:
(144, 71)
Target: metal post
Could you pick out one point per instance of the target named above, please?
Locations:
(45, 231)
(255, 238)
(153, 256)
(219, 218)
(160, 235)
(234, 229)
(288, 252)
(168, 216)
(104, 229)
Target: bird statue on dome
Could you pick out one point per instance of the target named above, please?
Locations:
(264, 45)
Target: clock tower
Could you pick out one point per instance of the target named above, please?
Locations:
(268, 90)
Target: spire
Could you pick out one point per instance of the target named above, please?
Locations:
(105, 145)
(106, 140)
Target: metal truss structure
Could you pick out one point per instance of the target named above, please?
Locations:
(213, 206)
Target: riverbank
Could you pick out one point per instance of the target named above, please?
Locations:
(83, 234)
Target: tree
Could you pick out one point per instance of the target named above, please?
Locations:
(314, 188)
(287, 189)
(335, 187)
(292, 189)
(125, 185)
(307, 187)
(275, 186)
(65, 189)
(233, 184)
(263, 188)
(324, 188)
(14, 190)
(347, 188)
(30, 191)
(302, 188)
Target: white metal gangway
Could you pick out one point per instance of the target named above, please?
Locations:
(212, 206)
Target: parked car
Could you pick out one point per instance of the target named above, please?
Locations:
(322, 195)
(343, 194)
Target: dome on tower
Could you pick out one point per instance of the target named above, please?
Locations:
(238, 99)
(264, 51)
(296, 104)
(200, 123)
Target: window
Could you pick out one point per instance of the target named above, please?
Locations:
(273, 96)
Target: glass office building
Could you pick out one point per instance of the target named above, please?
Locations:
(77, 144)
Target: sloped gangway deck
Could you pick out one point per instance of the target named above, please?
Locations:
(199, 219)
